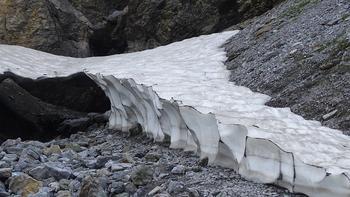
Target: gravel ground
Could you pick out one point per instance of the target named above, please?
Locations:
(102, 162)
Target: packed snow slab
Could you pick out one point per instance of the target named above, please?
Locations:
(182, 91)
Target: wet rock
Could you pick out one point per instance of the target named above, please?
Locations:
(91, 188)
(141, 175)
(24, 185)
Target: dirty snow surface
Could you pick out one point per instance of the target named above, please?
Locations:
(192, 72)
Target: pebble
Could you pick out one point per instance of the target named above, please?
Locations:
(178, 170)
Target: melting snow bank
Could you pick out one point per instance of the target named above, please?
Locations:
(182, 91)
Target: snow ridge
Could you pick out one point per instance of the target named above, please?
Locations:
(182, 91)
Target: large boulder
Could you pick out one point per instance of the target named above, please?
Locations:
(53, 26)
(26, 116)
(299, 57)
(77, 92)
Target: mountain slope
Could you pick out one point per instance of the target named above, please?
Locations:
(298, 53)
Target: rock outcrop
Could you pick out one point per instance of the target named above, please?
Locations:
(299, 57)
(82, 28)
(52, 26)
(77, 92)
(154, 23)
(26, 116)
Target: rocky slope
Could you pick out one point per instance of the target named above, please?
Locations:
(103, 163)
(299, 57)
(83, 28)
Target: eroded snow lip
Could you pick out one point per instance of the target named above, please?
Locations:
(192, 71)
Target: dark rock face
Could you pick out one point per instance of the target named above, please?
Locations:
(26, 116)
(154, 23)
(77, 92)
(83, 28)
(300, 58)
(47, 25)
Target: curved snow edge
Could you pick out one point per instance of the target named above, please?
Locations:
(226, 145)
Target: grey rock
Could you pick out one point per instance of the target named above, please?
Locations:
(121, 195)
(5, 173)
(141, 175)
(164, 194)
(193, 192)
(152, 157)
(51, 169)
(329, 115)
(63, 193)
(176, 187)
(117, 187)
(155, 190)
(54, 186)
(3, 192)
(10, 157)
(178, 170)
(130, 188)
(74, 186)
(43, 192)
(64, 184)
(114, 166)
(91, 187)
(4, 164)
